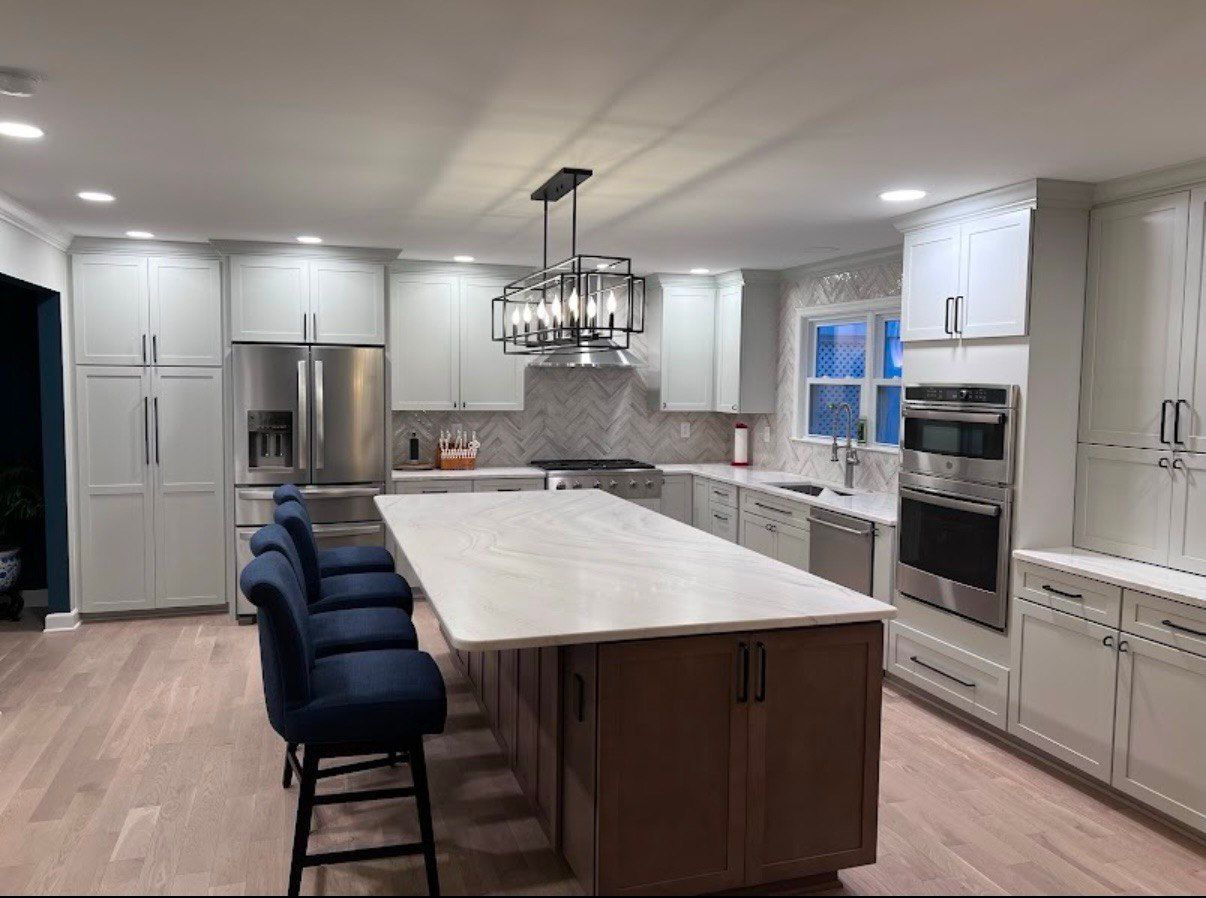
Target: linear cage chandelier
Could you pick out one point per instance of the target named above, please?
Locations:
(585, 304)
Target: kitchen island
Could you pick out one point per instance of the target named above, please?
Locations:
(685, 715)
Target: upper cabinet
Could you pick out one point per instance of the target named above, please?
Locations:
(292, 299)
(140, 310)
(715, 342)
(1190, 416)
(441, 352)
(968, 279)
(1133, 323)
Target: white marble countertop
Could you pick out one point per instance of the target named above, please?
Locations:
(877, 507)
(516, 570)
(1179, 586)
(471, 474)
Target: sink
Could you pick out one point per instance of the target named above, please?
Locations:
(808, 489)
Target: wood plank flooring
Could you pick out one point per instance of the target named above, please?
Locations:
(135, 757)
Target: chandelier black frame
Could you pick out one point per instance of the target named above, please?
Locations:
(584, 302)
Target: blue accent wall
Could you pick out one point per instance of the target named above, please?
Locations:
(54, 451)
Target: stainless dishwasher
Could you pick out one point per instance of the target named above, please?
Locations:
(841, 549)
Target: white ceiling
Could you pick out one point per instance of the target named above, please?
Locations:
(722, 133)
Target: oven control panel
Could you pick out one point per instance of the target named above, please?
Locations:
(973, 394)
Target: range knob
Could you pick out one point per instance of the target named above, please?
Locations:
(577, 486)
(598, 483)
(611, 485)
(559, 486)
(648, 484)
(632, 484)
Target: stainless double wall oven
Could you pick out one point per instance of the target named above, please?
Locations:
(956, 498)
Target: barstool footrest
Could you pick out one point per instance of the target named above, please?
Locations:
(362, 854)
(365, 795)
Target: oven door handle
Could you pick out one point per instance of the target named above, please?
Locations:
(969, 417)
(980, 508)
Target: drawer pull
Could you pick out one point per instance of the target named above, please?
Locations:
(721, 494)
(1060, 592)
(1181, 629)
(772, 508)
(719, 517)
(943, 673)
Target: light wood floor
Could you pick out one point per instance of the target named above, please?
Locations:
(136, 757)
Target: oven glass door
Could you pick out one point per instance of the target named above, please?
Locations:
(952, 538)
(969, 435)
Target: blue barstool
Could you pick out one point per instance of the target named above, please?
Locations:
(363, 590)
(341, 559)
(346, 705)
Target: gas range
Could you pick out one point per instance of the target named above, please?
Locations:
(624, 477)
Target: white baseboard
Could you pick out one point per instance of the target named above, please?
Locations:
(62, 622)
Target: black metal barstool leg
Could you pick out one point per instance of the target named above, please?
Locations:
(287, 777)
(418, 769)
(305, 807)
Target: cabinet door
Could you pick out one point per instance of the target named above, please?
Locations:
(490, 380)
(1187, 549)
(1160, 729)
(701, 512)
(186, 448)
(994, 276)
(111, 313)
(1191, 433)
(723, 522)
(347, 303)
(676, 497)
(116, 489)
(424, 322)
(270, 299)
(758, 534)
(728, 348)
(186, 311)
(791, 545)
(1070, 717)
(688, 338)
(1133, 320)
(1124, 502)
(814, 751)
(672, 747)
(930, 283)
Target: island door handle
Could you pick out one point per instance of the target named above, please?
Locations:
(760, 692)
(1173, 626)
(743, 674)
(579, 698)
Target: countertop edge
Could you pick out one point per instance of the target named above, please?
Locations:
(1060, 558)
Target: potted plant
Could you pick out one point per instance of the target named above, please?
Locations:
(20, 503)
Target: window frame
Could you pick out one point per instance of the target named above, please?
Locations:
(874, 314)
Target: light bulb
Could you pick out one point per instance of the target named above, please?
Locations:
(515, 317)
(592, 308)
(573, 302)
(527, 314)
(542, 311)
(611, 301)
(557, 310)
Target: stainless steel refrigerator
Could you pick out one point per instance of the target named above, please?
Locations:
(314, 416)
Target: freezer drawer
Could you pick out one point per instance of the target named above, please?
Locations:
(326, 504)
(328, 536)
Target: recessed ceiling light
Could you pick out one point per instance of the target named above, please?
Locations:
(701, 270)
(95, 196)
(18, 83)
(901, 196)
(462, 258)
(309, 238)
(20, 130)
(140, 235)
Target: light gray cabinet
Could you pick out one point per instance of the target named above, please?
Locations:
(676, 497)
(788, 543)
(1124, 501)
(746, 354)
(688, 335)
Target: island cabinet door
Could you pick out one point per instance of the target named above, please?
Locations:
(672, 743)
(813, 751)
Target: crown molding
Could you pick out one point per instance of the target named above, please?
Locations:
(845, 263)
(1048, 193)
(373, 254)
(1152, 182)
(33, 224)
(466, 269)
(130, 246)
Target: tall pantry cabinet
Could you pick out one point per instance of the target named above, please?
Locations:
(148, 395)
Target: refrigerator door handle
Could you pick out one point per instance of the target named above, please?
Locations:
(303, 416)
(319, 418)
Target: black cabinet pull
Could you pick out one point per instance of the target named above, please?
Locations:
(946, 316)
(1108, 641)
(1177, 421)
(1178, 627)
(146, 430)
(155, 348)
(580, 698)
(1164, 420)
(743, 674)
(943, 673)
(156, 430)
(760, 693)
(144, 349)
(1124, 646)
(1060, 592)
(775, 510)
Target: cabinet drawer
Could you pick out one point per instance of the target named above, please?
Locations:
(418, 487)
(967, 681)
(507, 484)
(1163, 620)
(723, 522)
(783, 510)
(1080, 596)
(722, 494)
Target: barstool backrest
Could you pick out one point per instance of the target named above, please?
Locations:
(286, 654)
(293, 517)
(275, 538)
(288, 492)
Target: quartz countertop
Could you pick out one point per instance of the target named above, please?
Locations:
(544, 568)
(870, 506)
(1179, 586)
(470, 474)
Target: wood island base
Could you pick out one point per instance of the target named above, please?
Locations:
(696, 764)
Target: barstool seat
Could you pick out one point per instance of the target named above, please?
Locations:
(339, 559)
(370, 590)
(362, 630)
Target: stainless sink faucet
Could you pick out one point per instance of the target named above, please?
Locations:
(852, 458)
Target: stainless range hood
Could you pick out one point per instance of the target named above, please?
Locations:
(611, 356)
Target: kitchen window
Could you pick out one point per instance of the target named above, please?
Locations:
(851, 356)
